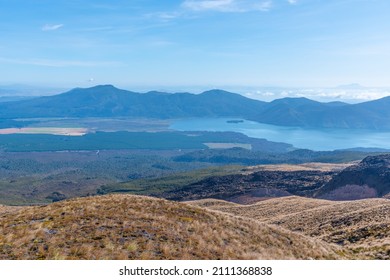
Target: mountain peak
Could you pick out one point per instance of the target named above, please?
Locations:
(295, 101)
(108, 86)
(95, 88)
(216, 92)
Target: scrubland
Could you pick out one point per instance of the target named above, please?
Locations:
(138, 227)
(362, 226)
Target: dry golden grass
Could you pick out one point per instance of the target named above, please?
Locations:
(3, 208)
(7, 209)
(362, 226)
(310, 166)
(136, 227)
(266, 209)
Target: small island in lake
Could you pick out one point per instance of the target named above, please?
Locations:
(235, 121)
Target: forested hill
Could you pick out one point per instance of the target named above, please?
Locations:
(108, 101)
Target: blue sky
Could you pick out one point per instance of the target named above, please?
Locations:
(188, 43)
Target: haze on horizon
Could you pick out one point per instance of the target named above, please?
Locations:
(186, 44)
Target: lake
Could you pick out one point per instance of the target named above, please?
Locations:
(314, 139)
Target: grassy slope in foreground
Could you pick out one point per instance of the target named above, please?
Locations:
(362, 226)
(136, 227)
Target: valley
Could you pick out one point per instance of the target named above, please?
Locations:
(227, 212)
(39, 177)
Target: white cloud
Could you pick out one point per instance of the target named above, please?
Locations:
(227, 5)
(331, 94)
(51, 27)
(164, 16)
(292, 2)
(167, 15)
(320, 94)
(263, 6)
(220, 5)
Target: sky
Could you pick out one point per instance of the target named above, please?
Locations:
(186, 44)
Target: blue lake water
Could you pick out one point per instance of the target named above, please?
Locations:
(314, 139)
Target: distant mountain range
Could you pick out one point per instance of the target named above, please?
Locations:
(108, 101)
(14, 98)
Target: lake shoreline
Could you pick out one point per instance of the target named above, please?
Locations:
(302, 138)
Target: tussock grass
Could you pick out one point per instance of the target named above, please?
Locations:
(137, 227)
(7, 209)
(362, 226)
(310, 166)
(266, 209)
